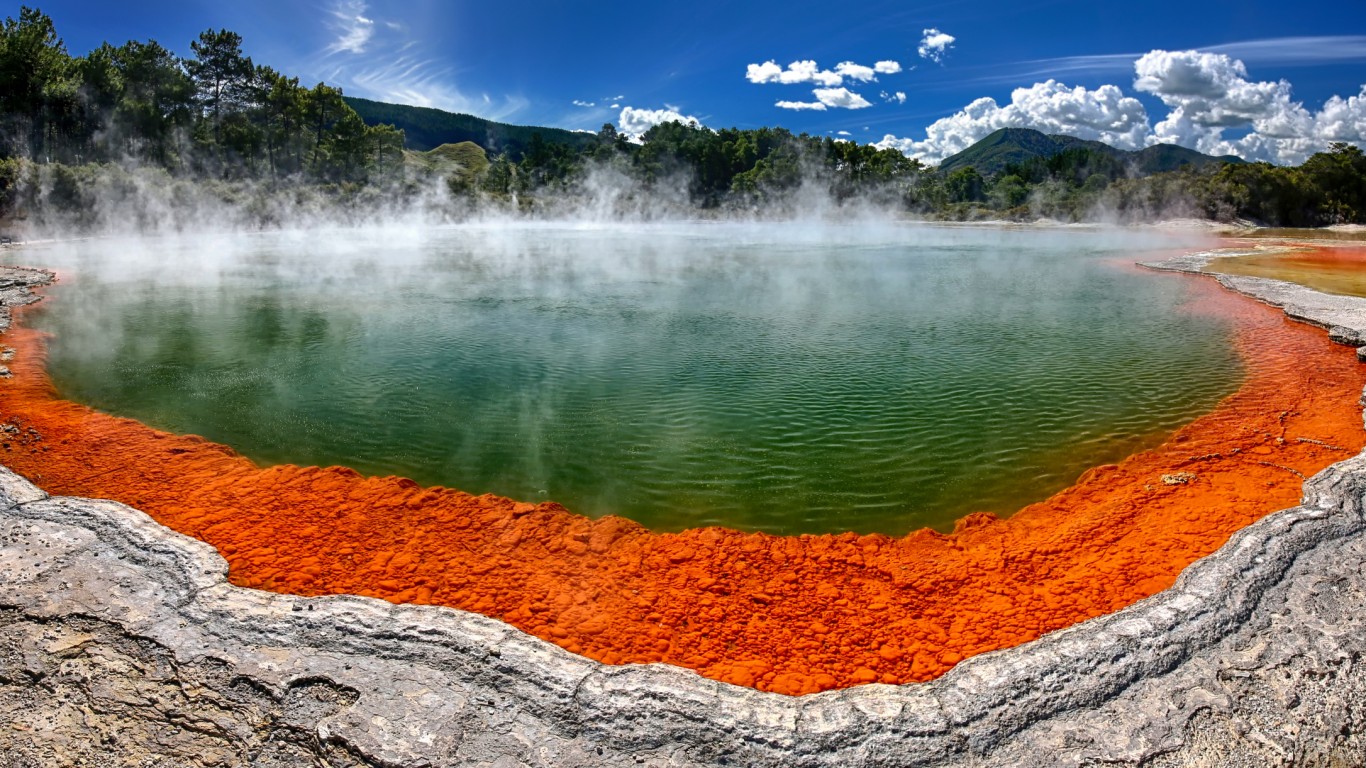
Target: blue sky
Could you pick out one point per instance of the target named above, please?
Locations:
(1266, 81)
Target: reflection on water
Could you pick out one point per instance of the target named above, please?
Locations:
(769, 378)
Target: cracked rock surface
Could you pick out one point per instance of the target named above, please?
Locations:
(122, 643)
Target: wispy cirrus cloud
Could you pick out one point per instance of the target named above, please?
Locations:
(380, 59)
(1295, 50)
(353, 28)
(1275, 50)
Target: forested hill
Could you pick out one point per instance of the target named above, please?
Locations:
(1016, 146)
(135, 133)
(425, 128)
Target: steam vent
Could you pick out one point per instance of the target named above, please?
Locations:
(1200, 602)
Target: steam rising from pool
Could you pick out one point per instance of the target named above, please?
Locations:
(788, 378)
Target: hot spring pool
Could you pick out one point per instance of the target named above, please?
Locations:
(780, 378)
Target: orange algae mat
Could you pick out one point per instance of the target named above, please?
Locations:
(787, 614)
(1337, 268)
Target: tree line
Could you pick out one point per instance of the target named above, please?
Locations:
(753, 169)
(217, 119)
(215, 114)
(1078, 184)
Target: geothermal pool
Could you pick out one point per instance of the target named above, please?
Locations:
(867, 378)
(971, 344)
(789, 380)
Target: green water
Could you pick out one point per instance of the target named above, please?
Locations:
(777, 378)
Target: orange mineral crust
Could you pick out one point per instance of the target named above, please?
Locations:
(788, 614)
(1331, 269)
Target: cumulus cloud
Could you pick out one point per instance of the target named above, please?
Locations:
(935, 44)
(797, 72)
(1208, 93)
(635, 122)
(1104, 114)
(855, 71)
(840, 97)
(830, 93)
(808, 71)
(582, 103)
(899, 97)
(1343, 119)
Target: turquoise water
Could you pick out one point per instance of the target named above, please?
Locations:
(779, 378)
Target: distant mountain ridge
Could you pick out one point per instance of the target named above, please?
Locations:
(992, 154)
(426, 129)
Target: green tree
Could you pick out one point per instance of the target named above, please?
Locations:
(323, 107)
(37, 87)
(1340, 176)
(965, 185)
(222, 76)
(156, 103)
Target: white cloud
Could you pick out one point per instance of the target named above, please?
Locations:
(1209, 93)
(800, 105)
(408, 78)
(797, 72)
(840, 97)
(768, 72)
(1104, 114)
(353, 29)
(808, 71)
(1343, 119)
(581, 103)
(635, 122)
(377, 59)
(855, 71)
(899, 97)
(1297, 50)
(1206, 95)
(843, 133)
(934, 44)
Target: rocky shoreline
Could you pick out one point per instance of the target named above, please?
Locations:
(122, 643)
